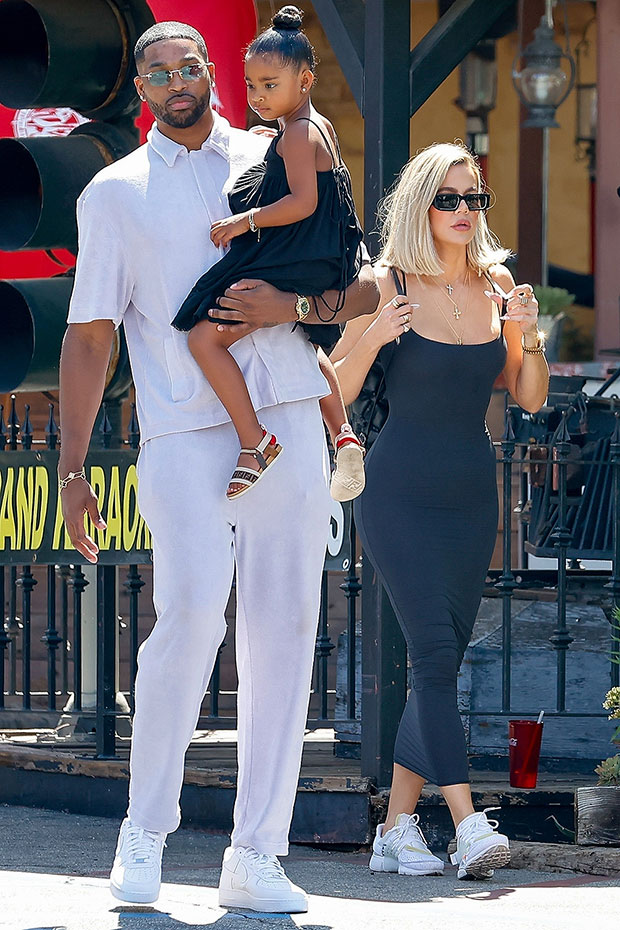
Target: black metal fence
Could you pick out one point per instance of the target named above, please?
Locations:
(559, 478)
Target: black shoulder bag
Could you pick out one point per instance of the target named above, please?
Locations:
(369, 410)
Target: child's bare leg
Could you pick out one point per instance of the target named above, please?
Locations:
(333, 409)
(348, 479)
(210, 347)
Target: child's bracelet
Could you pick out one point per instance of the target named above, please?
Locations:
(253, 225)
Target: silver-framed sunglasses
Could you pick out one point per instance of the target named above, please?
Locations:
(187, 73)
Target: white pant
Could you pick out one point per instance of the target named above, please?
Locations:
(276, 536)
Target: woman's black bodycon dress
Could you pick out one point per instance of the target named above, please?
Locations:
(428, 522)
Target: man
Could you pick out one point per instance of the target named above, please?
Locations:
(144, 227)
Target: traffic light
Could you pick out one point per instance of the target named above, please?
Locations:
(53, 53)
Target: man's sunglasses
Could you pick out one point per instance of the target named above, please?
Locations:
(450, 202)
(187, 73)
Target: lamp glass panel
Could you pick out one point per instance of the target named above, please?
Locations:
(542, 85)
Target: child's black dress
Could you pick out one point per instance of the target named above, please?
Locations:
(319, 253)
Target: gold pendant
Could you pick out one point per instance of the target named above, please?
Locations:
(459, 341)
(457, 313)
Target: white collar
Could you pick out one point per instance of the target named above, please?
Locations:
(169, 150)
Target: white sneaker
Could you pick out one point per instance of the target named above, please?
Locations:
(258, 882)
(403, 849)
(479, 848)
(136, 873)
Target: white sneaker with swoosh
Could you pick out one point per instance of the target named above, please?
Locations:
(479, 847)
(258, 882)
(403, 849)
(136, 873)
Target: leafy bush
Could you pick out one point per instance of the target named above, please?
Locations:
(609, 771)
(552, 300)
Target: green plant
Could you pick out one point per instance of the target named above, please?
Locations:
(552, 300)
(609, 771)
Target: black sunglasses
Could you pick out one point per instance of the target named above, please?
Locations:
(449, 201)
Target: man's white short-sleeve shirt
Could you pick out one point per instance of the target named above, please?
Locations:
(144, 225)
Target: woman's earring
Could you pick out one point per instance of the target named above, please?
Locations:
(304, 89)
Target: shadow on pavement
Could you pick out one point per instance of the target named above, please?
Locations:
(130, 918)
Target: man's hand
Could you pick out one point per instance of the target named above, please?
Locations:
(78, 498)
(253, 304)
(222, 231)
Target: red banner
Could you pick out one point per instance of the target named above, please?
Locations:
(227, 27)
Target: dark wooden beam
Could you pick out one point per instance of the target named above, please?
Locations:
(386, 102)
(530, 183)
(447, 43)
(343, 24)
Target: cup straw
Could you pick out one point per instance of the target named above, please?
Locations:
(526, 761)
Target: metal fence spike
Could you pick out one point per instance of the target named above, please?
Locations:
(105, 428)
(3, 431)
(14, 424)
(27, 431)
(51, 430)
(133, 430)
(509, 433)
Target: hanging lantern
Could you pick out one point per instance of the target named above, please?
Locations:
(543, 84)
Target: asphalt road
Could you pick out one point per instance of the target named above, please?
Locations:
(54, 866)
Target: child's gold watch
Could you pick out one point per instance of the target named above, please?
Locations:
(302, 308)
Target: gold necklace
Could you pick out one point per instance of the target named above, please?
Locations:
(456, 310)
(458, 336)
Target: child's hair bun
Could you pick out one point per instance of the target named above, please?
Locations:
(289, 17)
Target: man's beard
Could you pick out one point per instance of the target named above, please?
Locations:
(181, 119)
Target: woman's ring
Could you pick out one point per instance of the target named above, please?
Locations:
(406, 318)
(395, 304)
(406, 327)
(524, 299)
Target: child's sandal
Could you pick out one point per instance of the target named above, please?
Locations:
(265, 453)
(348, 480)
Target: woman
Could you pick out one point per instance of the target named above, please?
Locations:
(428, 517)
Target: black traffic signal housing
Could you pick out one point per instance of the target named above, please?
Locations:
(79, 54)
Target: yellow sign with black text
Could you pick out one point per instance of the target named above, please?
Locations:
(31, 524)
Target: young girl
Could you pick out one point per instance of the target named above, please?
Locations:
(293, 225)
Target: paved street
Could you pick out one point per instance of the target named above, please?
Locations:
(53, 870)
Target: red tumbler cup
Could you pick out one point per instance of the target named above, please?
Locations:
(524, 740)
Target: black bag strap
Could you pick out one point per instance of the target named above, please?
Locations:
(496, 289)
(401, 288)
(399, 283)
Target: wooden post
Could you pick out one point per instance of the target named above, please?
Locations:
(531, 141)
(607, 280)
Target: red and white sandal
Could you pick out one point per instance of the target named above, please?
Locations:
(265, 453)
(348, 480)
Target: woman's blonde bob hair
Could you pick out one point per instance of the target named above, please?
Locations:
(406, 234)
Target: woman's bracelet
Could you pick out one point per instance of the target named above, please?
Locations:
(538, 349)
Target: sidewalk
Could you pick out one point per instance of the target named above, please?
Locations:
(54, 866)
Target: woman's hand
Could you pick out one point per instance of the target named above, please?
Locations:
(267, 131)
(392, 322)
(520, 306)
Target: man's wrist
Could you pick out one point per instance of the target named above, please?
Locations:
(67, 465)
